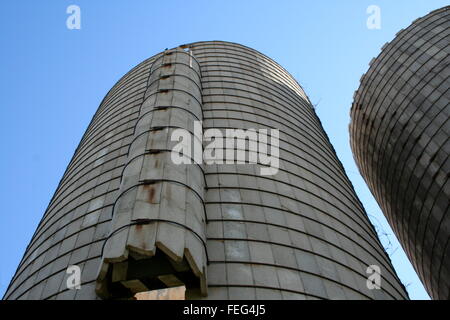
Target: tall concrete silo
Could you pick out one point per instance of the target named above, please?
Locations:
(399, 132)
(135, 221)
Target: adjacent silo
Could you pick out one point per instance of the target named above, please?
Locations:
(400, 139)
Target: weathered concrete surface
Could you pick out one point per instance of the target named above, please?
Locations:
(400, 139)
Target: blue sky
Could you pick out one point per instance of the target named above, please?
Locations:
(52, 80)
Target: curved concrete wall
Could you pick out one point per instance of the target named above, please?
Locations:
(400, 139)
(300, 233)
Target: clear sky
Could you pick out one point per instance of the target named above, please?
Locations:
(52, 80)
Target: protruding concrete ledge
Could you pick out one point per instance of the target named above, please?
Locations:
(157, 237)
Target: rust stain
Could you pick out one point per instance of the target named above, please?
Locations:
(139, 231)
(151, 192)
